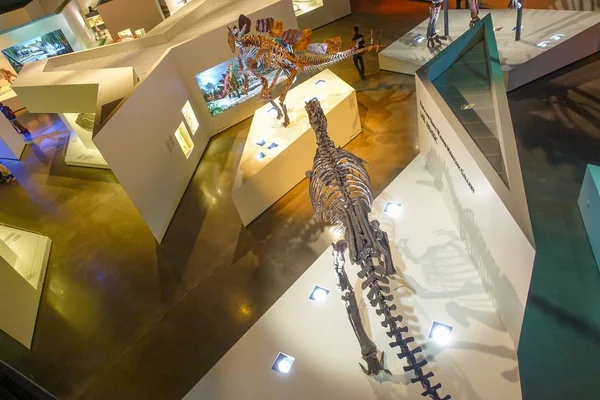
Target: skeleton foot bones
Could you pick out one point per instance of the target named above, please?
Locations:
(340, 192)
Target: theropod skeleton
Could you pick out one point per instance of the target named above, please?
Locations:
(433, 39)
(340, 191)
(289, 52)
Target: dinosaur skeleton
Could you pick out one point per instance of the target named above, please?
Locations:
(340, 191)
(474, 7)
(433, 39)
(287, 52)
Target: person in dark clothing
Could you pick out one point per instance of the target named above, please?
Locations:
(358, 41)
(10, 115)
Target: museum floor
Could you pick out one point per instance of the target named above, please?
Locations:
(124, 318)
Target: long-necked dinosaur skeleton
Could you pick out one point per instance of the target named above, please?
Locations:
(433, 39)
(340, 191)
(289, 52)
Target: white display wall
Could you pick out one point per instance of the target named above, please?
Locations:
(316, 13)
(498, 246)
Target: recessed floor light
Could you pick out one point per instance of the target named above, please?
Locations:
(319, 294)
(419, 38)
(392, 208)
(272, 146)
(543, 44)
(441, 333)
(283, 363)
(558, 36)
(261, 142)
(260, 156)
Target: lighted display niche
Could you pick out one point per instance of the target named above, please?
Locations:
(222, 86)
(190, 117)
(304, 6)
(49, 45)
(185, 141)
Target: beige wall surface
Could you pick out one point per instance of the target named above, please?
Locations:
(119, 15)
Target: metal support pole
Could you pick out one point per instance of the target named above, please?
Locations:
(519, 20)
(446, 28)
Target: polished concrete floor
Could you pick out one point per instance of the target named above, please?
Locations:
(124, 318)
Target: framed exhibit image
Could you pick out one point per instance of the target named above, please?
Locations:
(304, 6)
(185, 141)
(190, 117)
(49, 45)
(222, 86)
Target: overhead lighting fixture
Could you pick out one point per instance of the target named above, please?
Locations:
(319, 294)
(558, 36)
(260, 156)
(261, 142)
(441, 333)
(272, 146)
(543, 44)
(392, 209)
(283, 363)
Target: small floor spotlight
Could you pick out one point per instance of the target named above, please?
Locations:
(320, 82)
(543, 44)
(272, 146)
(392, 209)
(419, 38)
(558, 36)
(283, 363)
(260, 156)
(261, 142)
(319, 294)
(441, 333)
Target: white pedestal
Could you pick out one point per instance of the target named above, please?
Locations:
(522, 61)
(260, 183)
(11, 143)
(81, 150)
(589, 206)
(23, 261)
(439, 283)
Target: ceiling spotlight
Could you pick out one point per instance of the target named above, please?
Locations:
(392, 209)
(558, 36)
(260, 156)
(283, 363)
(543, 44)
(319, 294)
(441, 333)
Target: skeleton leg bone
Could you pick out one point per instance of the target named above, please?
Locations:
(290, 82)
(368, 348)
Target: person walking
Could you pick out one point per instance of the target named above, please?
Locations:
(6, 175)
(11, 116)
(358, 41)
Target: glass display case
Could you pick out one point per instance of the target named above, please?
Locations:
(190, 117)
(185, 141)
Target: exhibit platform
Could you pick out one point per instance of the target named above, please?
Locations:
(437, 282)
(550, 40)
(589, 206)
(23, 261)
(81, 150)
(275, 159)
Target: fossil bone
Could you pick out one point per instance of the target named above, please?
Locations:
(340, 192)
